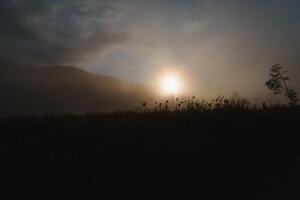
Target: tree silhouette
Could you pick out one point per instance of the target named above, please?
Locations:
(278, 83)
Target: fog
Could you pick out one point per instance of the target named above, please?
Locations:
(220, 47)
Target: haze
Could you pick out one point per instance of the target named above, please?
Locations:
(220, 47)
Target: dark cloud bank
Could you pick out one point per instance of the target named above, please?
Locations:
(54, 32)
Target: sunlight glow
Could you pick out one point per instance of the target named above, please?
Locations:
(171, 84)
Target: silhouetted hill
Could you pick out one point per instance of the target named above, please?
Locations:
(58, 89)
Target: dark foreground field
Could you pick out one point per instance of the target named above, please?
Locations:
(242, 154)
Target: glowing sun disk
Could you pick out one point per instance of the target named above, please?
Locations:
(171, 84)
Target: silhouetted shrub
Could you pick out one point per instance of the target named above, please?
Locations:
(278, 82)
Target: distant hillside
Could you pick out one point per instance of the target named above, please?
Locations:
(57, 89)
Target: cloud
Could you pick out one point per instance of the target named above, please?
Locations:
(222, 45)
(57, 31)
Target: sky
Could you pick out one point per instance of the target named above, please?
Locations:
(218, 46)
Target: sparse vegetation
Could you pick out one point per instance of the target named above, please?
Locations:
(203, 106)
(278, 84)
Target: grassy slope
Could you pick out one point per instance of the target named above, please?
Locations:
(240, 154)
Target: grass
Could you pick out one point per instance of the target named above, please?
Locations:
(195, 150)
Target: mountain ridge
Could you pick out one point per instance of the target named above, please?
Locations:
(37, 90)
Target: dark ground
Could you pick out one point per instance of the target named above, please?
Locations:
(184, 155)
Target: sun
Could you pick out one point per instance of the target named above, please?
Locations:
(171, 84)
